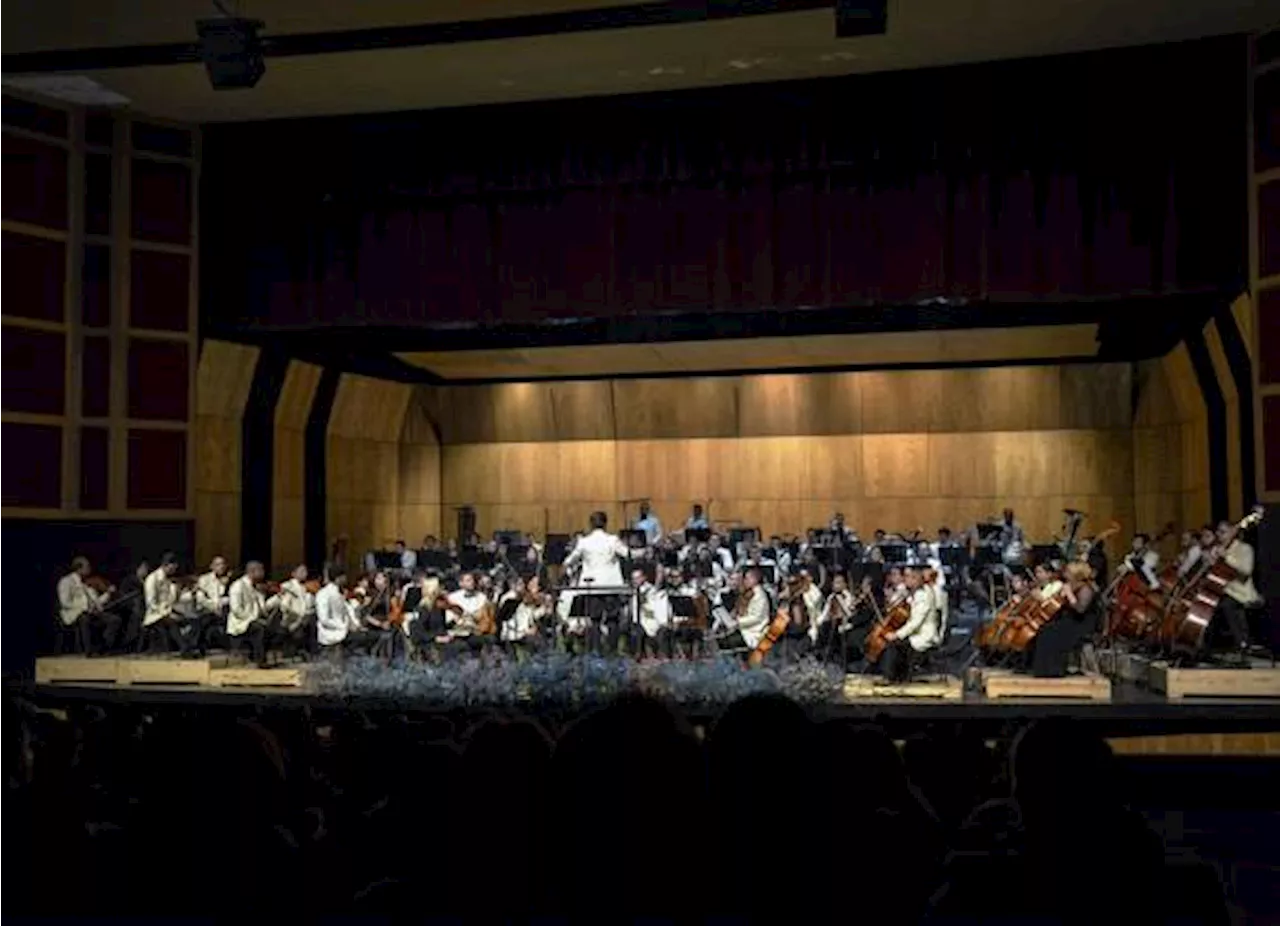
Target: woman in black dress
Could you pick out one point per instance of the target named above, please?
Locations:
(1075, 622)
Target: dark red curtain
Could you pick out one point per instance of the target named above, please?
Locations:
(1104, 174)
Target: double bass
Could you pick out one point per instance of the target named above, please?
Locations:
(1186, 621)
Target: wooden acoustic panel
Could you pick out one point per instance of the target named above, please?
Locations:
(224, 376)
(288, 478)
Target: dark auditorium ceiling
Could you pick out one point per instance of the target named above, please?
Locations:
(921, 33)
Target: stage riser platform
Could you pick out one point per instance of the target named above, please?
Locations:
(1259, 680)
(216, 672)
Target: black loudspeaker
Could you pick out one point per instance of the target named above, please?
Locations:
(231, 51)
(861, 17)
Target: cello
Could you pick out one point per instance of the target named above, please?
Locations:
(1135, 608)
(895, 617)
(772, 634)
(1186, 620)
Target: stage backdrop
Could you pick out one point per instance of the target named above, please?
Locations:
(893, 450)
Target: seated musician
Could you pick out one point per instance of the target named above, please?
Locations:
(842, 532)
(1047, 583)
(933, 576)
(337, 627)
(1143, 560)
(130, 604)
(919, 634)
(247, 609)
(522, 631)
(751, 614)
(82, 607)
(832, 622)
(211, 602)
(697, 521)
(1240, 595)
(895, 586)
(160, 596)
(650, 613)
(649, 523)
(463, 616)
(1076, 621)
(297, 613)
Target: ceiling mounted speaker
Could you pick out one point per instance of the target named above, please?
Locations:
(232, 52)
(861, 17)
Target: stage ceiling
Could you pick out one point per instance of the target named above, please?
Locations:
(636, 59)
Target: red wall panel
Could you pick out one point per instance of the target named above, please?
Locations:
(158, 379)
(35, 270)
(157, 469)
(1271, 442)
(1269, 335)
(159, 291)
(35, 182)
(34, 371)
(95, 378)
(95, 468)
(161, 201)
(32, 476)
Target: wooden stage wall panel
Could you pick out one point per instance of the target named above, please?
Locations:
(418, 473)
(288, 485)
(1170, 446)
(734, 441)
(223, 379)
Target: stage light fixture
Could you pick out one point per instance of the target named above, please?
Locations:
(232, 51)
(861, 17)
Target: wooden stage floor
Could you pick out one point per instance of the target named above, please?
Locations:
(1130, 702)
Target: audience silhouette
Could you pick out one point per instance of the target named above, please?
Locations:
(627, 814)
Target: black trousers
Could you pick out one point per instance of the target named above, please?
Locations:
(657, 645)
(1236, 618)
(255, 636)
(734, 641)
(357, 641)
(168, 632)
(1053, 645)
(898, 660)
(291, 641)
(107, 623)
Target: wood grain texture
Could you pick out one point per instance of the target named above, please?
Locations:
(224, 376)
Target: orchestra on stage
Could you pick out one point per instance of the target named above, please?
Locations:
(884, 605)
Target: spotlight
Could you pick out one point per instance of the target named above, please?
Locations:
(861, 17)
(232, 51)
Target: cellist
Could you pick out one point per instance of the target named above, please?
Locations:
(750, 615)
(919, 634)
(1076, 621)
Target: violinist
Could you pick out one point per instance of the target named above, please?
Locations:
(1240, 595)
(82, 607)
(129, 603)
(247, 613)
(895, 586)
(297, 612)
(377, 612)
(160, 596)
(650, 617)
(466, 605)
(337, 628)
(211, 601)
(533, 605)
(1075, 622)
(750, 617)
(919, 634)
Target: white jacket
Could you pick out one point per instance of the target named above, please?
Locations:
(333, 619)
(211, 593)
(599, 553)
(1239, 556)
(296, 604)
(755, 621)
(247, 605)
(75, 598)
(921, 629)
(650, 609)
(160, 594)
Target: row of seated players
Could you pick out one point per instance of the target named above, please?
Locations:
(429, 615)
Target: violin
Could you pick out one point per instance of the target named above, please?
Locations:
(99, 584)
(395, 611)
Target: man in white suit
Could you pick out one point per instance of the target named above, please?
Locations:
(919, 633)
(598, 555)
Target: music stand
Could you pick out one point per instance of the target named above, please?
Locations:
(557, 549)
(473, 559)
(1044, 552)
(741, 535)
(508, 537)
(386, 559)
(894, 553)
(634, 539)
(700, 534)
